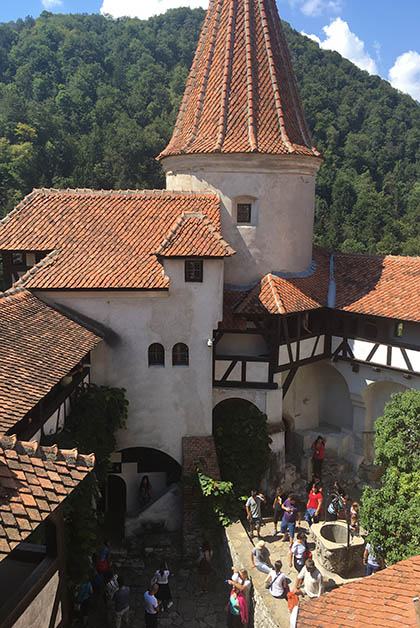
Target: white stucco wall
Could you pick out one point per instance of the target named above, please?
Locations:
(283, 187)
(167, 402)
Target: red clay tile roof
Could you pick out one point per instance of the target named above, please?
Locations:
(384, 599)
(275, 295)
(385, 286)
(241, 95)
(378, 286)
(194, 235)
(99, 239)
(34, 480)
(39, 346)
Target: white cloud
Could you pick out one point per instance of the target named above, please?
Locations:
(313, 37)
(50, 4)
(312, 8)
(405, 74)
(342, 40)
(144, 9)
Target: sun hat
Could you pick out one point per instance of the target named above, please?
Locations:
(260, 544)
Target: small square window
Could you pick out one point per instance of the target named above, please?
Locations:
(243, 212)
(193, 270)
(17, 258)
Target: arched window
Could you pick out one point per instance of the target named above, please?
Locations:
(180, 355)
(156, 355)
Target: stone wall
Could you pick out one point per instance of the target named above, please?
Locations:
(198, 452)
(267, 611)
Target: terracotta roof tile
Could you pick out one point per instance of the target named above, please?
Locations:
(99, 239)
(193, 235)
(384, 599)
(39, 347)
(21, 508)
(385, 286)
(241, 94)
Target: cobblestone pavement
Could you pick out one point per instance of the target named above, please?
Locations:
(191, 609)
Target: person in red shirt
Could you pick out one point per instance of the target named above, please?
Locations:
(318, 448)
(313, 506)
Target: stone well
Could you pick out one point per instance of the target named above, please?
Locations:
(331, 547)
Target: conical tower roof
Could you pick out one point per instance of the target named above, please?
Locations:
(241, 95)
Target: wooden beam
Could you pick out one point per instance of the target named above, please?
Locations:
(236, 384)
(286, 367)
(238, 357)
(229, 370)
(289, 379)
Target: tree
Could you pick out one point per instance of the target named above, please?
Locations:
(391, 513)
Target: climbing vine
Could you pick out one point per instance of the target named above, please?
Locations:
(242, 444)
(97, 413)
(219, 505)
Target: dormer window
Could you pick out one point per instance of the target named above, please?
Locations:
(194, 270)
(243, 213)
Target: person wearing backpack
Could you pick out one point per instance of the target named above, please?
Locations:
(276, 581)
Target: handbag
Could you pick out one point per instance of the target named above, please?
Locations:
(268, 585)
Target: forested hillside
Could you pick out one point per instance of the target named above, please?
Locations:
(87, 101)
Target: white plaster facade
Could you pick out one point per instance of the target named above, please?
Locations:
(279, 237)
(165, 402)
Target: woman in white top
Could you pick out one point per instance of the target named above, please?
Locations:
(277, 581)
(161, 576)
(298, 552)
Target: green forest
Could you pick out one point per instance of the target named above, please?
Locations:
(88, 101)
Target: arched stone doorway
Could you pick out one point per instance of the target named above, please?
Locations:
(116, 505)
(375, 396)
(335, 407)
(136, 462)
(237, 426)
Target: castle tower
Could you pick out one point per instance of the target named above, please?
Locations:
(241, 132)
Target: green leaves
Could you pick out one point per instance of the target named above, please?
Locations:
(391, 513)
(242, 443)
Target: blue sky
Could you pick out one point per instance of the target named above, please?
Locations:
(380, 36)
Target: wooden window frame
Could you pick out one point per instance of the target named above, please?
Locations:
(180, 354)
(194, 273)
(152, 354)
(244, 207)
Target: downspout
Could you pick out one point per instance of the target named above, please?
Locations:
(417, 609)
(332, 286)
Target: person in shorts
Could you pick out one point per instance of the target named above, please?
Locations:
(288, 523)
(253, 511)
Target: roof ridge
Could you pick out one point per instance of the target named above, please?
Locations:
(20, 283)
(279, 304)
(252, 136)
(93, 192)
(177, 226)
(224, 93)
(52, 453)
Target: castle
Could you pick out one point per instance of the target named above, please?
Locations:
(211, 290)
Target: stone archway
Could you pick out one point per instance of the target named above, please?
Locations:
(237, 424)
(375, 396)
(136, 462)
(335, 406)
(116, 505)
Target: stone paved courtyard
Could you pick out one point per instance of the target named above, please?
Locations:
(191, 608)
